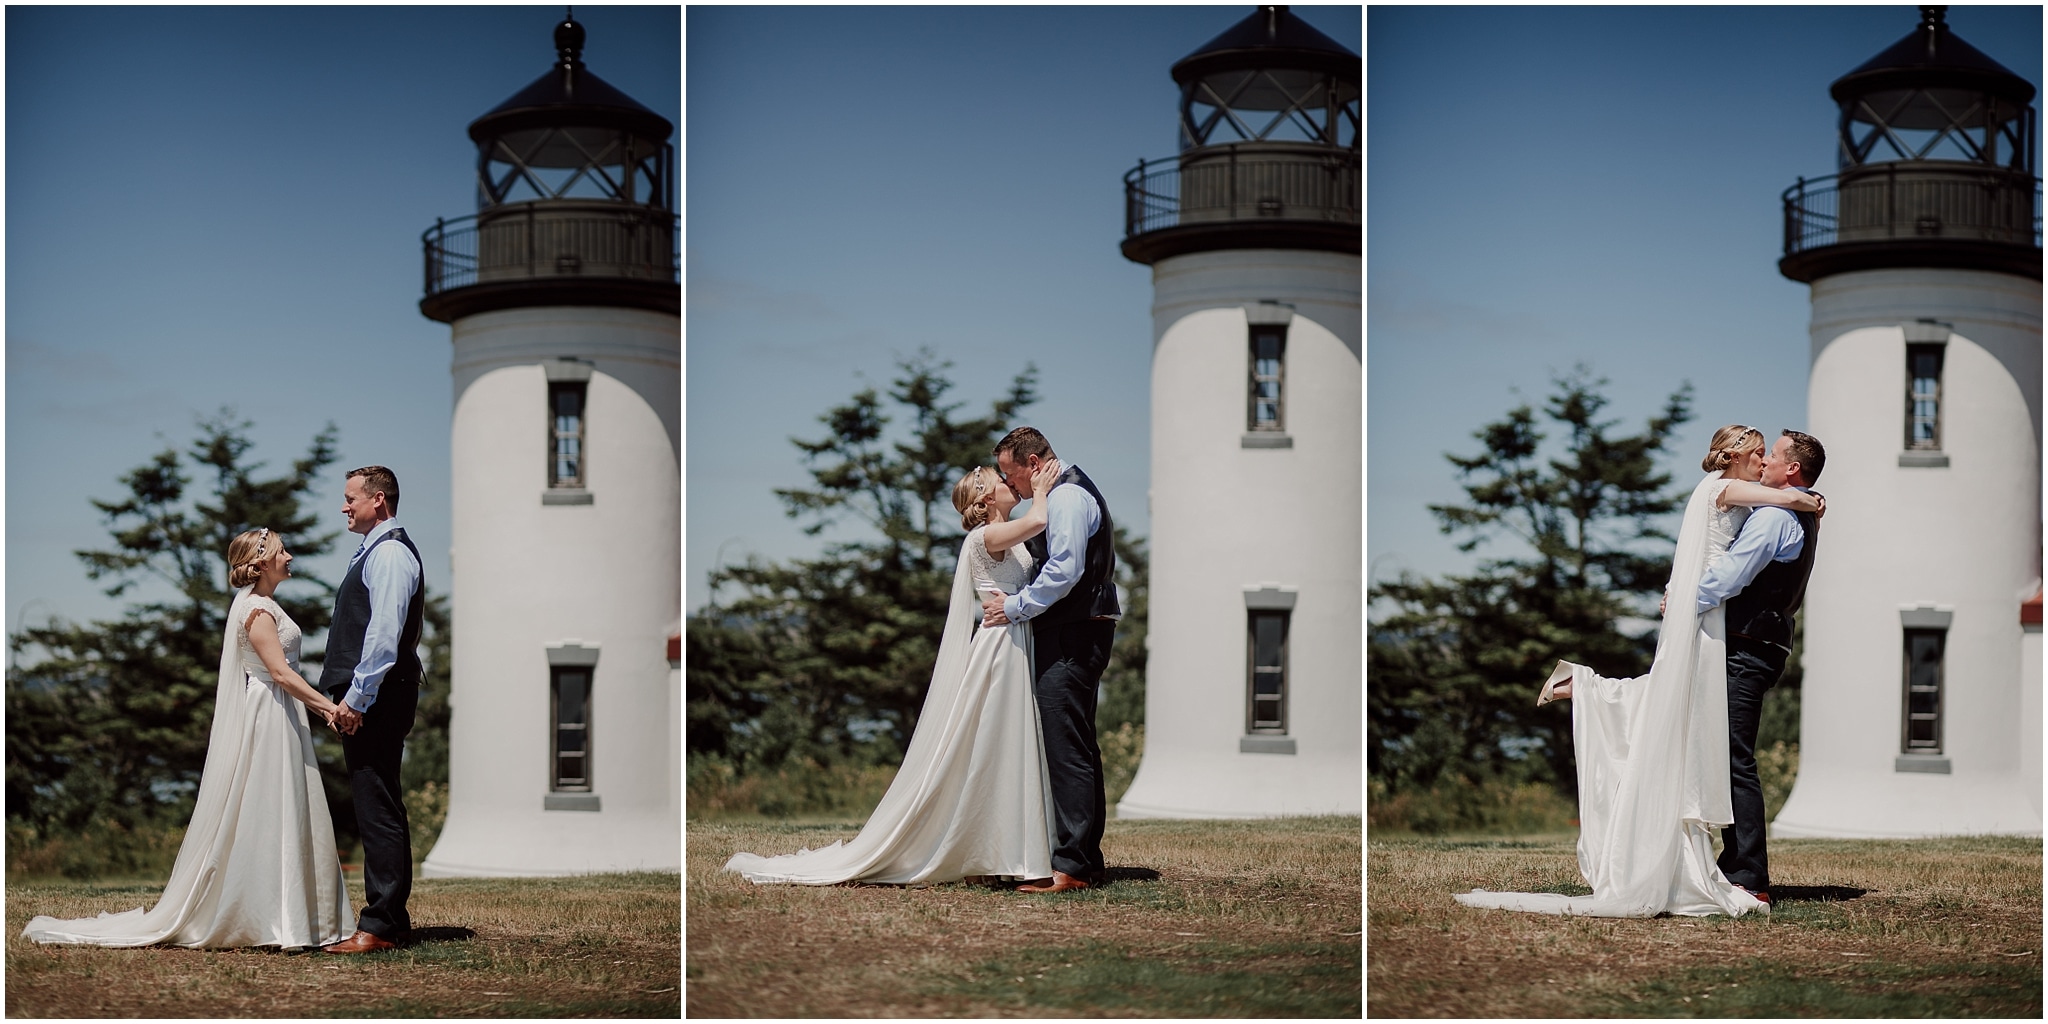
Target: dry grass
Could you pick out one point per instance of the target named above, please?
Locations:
(1243, 919)
(597, 946)
(1941, 928)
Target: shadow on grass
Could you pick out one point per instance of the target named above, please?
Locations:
(1097, 978)
(1763, 988)
(438, 933)
(1815, 893)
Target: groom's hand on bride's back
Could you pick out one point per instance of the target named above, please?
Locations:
(992, 613)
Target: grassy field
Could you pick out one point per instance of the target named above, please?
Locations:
(1921, 928)
(596, 946)
(1203, 919)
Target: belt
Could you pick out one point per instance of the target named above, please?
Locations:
(1755, 640)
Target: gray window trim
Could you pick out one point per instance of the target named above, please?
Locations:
(570, 654)
(1938, 348)
(581, 481)
(1912, 621)
(1267, 602)
(1925, 616)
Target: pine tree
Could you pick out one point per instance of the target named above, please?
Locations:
(828, 659)
(111, 725)
(1455, 664)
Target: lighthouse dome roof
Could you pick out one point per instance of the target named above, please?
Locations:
(1270, 37)
(1932, 56)
(570, 95)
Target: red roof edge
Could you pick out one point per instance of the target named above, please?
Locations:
(2030, 609)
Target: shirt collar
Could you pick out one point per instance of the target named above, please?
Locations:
(379, 530)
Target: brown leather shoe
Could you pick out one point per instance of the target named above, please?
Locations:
(361, 942)
(1060, 882)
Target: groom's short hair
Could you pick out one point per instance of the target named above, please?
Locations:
(380, 480)
(1023, 443)
(1806, 451)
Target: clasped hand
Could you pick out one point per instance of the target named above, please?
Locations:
(344, 719)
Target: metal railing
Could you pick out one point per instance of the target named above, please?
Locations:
(527, 241)
(1243, 182)
(1903, 201)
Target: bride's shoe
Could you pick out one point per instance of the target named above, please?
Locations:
(1558, 686)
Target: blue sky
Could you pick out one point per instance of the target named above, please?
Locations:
(222, 206)
(866, 181)
(1551, 186)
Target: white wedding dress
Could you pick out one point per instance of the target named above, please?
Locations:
(972, 796)
(258, 866)
(1653, 756)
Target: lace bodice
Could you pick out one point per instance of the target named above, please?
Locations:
(992, 576)
(287, 633)
(1722, 526)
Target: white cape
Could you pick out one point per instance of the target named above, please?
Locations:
(1653, 763)
(972, 796)
(258, 865)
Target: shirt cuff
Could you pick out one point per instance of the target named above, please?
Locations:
(1013, 608)
(358, 700)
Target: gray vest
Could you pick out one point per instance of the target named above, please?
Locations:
(352, 621)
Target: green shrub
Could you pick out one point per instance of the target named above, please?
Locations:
(104, 849)
(1777, 766)
(1122, 748)
(1461, 805)
(716, 788)
(426, 810)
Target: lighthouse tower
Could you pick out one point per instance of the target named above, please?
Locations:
(1921, 712)
(561, 296)
(1253, 681)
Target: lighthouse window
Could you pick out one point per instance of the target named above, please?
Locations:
(1923, 672)
(1266, 684)
(565, 445)
(570, 752)
(1923, 396)
(1268, 354)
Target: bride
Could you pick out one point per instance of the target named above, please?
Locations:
(258, 866)
(972, 798)
(1652, 751)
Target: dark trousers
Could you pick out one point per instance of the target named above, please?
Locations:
(1753, 668)
(1069, 659)
(374, 754)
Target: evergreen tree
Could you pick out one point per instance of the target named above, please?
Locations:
(111, 725)
(828, 659)
(1123, 681)
(1454, 667)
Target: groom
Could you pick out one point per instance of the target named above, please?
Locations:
(1763, 580)
(373, 672)
(1072, 607)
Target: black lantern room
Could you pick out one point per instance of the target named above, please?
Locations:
(575, 186)
(1935, 166)
(1269, 147)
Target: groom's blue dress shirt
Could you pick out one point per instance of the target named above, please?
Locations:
(390, 574)
(1771, 534)
(1071, 516)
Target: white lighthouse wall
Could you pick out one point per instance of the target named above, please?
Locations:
(1961, 539)
(1227, 519)
(527, 575)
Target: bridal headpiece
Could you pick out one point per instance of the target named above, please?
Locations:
(1728, 442)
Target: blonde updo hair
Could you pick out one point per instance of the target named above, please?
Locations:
(1730, 443)
(970, 496)
(246, 554)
